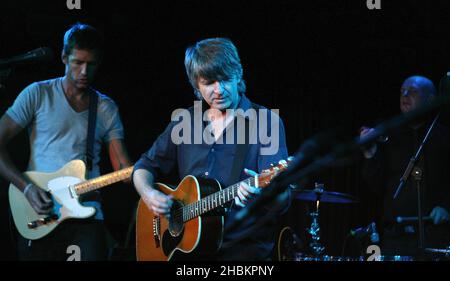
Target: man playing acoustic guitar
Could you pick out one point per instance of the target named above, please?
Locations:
(212, 146)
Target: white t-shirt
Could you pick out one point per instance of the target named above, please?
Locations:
(58, 133)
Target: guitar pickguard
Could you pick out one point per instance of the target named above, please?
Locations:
(169, 242)
(65, 199)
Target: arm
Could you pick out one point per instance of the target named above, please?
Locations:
(370, 152)
(372, 171)
(17, 117)
(8, 130)
(159, 159)
(271, 151)
(38, 198)
(282, 202)
(155, 200)
(118, 154)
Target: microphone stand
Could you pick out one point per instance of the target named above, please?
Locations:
(417, 175)
(301, 171)
(414, 159)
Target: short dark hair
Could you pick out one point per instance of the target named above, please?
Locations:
(213, 59)
(83, 37)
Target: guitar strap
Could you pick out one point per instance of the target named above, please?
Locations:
(239, 156)
(93, 100)
(242, 149)
(237, 166)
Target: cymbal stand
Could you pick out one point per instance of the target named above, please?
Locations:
(314, 230)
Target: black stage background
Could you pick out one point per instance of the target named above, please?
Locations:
(322, 63)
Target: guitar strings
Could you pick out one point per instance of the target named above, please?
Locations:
(178, 213)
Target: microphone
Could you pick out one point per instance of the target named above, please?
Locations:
(364, 231)
(37, 55)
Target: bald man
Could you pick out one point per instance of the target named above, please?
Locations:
(384, 165)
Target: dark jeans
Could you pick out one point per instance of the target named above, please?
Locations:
(88, 235)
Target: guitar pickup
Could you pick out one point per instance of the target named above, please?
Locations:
(42, 221)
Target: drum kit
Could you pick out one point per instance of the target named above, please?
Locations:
(290, 247)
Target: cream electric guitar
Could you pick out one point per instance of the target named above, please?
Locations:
(65, 186)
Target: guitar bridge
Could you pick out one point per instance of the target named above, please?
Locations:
(157, 231)
(42, 221)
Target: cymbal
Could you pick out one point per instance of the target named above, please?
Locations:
(325, 196)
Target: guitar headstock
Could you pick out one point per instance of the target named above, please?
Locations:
(267, 175)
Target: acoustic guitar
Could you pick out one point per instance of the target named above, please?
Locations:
(194, 227)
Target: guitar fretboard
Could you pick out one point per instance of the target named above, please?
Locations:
(211, 201)
(102, 181)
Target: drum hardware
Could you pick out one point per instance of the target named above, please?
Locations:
(446, 251)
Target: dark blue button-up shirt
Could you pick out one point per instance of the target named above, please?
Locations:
(215, 160)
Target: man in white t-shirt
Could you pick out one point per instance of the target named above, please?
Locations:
(55, 113)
